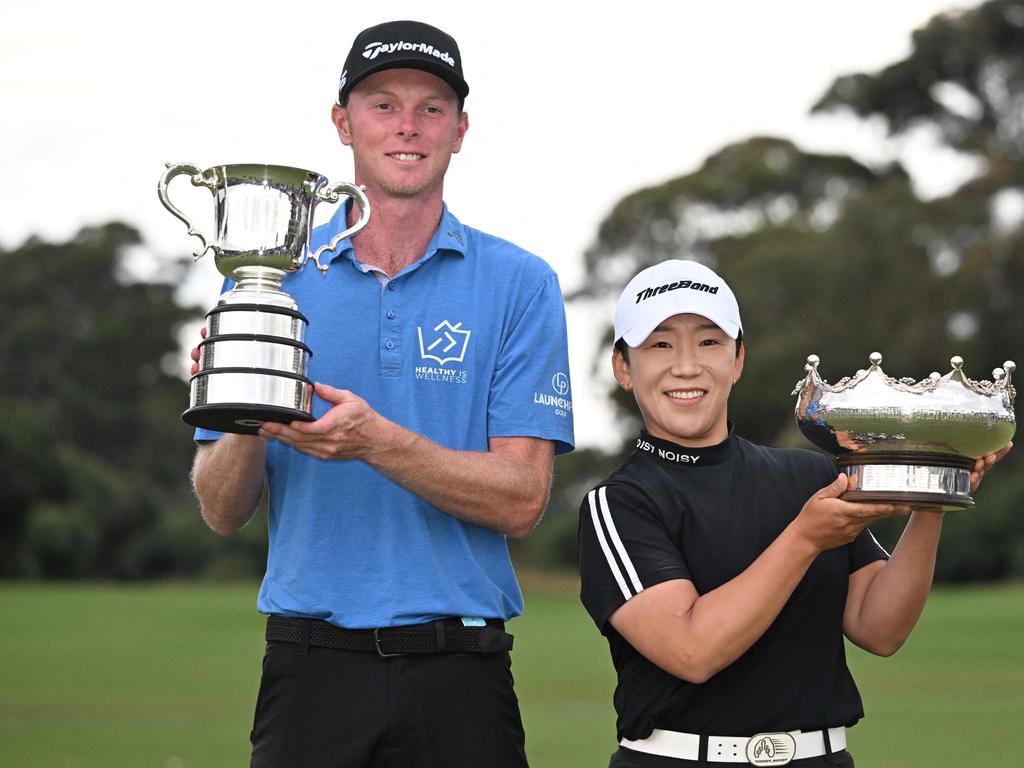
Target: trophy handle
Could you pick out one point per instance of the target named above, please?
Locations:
(333, 195)
(198, 180)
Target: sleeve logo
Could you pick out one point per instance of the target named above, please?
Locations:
(560, 383)
(561, 404)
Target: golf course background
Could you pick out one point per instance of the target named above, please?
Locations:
(128, 631)
(165, 676)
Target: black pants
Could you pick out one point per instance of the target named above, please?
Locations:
(346, 709)
(628, 758)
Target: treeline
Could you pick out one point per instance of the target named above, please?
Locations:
(829, 256)
(833, 257)
(93, 458)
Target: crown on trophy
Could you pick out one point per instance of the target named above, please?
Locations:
(905, 440)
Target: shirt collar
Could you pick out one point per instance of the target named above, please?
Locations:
(668, 452)
(450, 235)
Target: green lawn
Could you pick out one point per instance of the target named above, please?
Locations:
(165, 676)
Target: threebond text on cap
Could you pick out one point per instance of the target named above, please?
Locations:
(406, 45)
(675, 287)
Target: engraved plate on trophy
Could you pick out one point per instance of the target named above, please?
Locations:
(906, 441)
(253, 362)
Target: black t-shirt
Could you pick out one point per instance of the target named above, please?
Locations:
(705, 514)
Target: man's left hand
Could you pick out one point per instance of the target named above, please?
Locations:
(351, 429)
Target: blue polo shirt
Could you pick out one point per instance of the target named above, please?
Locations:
(467, 343)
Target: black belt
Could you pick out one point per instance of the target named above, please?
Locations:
(441, 636)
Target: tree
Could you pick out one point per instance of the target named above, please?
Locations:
(964, 81)
(832, 257)
(93, 457)
(964, 78)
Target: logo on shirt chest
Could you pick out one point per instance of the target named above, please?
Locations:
(443, 343)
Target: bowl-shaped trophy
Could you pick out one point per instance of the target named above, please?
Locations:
(253, 362)
(905, 441)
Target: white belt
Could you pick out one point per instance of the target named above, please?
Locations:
(762, 749)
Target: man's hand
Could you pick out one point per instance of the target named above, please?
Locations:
(351, 429)
(828, 522)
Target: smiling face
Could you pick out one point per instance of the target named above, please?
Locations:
(681, 376)
(403, 126)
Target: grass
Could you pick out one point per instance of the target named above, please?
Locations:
(954, 694)
(165, 676)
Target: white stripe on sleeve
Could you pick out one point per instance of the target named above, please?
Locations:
(633, 577)
(616, 572)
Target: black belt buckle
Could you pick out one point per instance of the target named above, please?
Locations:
(380, 651)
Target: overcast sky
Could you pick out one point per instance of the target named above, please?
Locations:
(572, 106)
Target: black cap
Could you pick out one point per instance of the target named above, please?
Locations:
(403, 44)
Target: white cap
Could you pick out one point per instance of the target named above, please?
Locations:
(674, 288)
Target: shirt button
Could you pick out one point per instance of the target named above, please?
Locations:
(391, 285)
(391, 314)
(389, 345)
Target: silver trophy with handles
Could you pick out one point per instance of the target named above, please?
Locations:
(906, 441)
(253, 362)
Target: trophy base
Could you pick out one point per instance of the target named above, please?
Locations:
(240, 418)
(926, 479)
(238, 399)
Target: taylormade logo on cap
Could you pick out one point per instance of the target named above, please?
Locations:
(403, 45)
(373, 50)
(670, 288)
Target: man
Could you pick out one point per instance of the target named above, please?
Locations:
(438, 351)
(724, 574)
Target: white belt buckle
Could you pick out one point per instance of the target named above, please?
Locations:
(771, 749)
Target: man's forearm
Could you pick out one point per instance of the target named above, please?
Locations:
(228, 476)
(505, 488)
